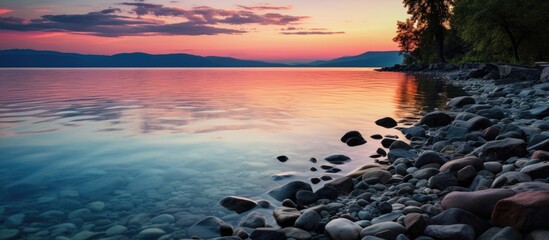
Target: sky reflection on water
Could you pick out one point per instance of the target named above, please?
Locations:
(219, 129)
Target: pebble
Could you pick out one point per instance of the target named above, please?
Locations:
(116, 230)
(150, 233)
(8, 234)
(96, 206)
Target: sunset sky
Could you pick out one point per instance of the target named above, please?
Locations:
(280, 30)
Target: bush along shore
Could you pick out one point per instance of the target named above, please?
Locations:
(476, 170)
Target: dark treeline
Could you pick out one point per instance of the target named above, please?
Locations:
(460, 31)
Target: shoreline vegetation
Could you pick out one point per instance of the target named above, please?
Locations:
(476, 170)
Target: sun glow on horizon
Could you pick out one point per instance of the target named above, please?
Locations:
(281, 31)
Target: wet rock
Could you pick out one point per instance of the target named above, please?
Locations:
(268, 234)
(82, 213)
(305, 197)
(436, 119)
(289, 203)
(510, 178)
(225, 230)
(537, 170)
(491, 133)
(458, 164)
(400, 145)
(425, 173)
(414, 131)
(308, 220)
(442, 181)
(389, 228)
(386, 142)
(540, 155)
(453, 232)
(467, 173)
(502, 149)
(238, 204)
(315, 180)
(459, 216)
(206, 228)
(507, 233)
(296, 233)
(388, 217)
(376, 136)
(539, 234)
(241, 233)
(96, 206)
(282, 158)
(415, 224)
(343, 229)
(544, 145)
(480, 203)
(337, 159)
(253, 220)
(285, 216)
(327, 192)
(429, 157)
(459, 102)
(163, 218)
(382, 175)
(349, 135)
(518, 73)
(9, 234)
(344, 185)
(150, 233)
(478, 123)
(386, 122)
(539, 112)
(289, 190)
(353, 142)
(524, 211)
(116, 230)
(395, 154)
(493, 167)
(14, 220)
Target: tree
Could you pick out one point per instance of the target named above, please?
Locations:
(431, 18)
(493, 27)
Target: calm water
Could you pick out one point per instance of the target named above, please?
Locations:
(185, 138)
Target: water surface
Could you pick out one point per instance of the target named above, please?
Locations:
(185, 138)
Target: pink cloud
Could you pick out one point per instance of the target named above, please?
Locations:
(4, 11)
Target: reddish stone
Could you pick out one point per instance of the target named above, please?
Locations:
(457, 164)
(480, 203)
(525, 211)
(541, 155)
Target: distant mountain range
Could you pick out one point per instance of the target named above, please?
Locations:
(34, 58)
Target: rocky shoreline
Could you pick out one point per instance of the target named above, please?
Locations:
(477, 170)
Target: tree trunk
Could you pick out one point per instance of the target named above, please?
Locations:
(439, 39)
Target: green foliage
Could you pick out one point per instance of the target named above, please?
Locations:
(504, 30)
(475, 30)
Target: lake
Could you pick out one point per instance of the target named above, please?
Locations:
(179, 140)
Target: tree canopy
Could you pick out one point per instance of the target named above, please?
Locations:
(475, 30)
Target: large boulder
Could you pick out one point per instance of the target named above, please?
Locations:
(459, 102)
(518, 73)
(344, 185)
(457, 164)
(524, 211)
(238, 204)
(289, 190)
(386, 122)
(436, 119)
(343, 229)
(285, 216)
(502, 149)
(480, 203)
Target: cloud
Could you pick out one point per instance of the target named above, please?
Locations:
(4, 11)
(264, 7)
(105, 24)
(312, 33)
(115, 22)
(208, 15)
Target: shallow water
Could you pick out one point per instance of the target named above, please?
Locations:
(145, 140)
